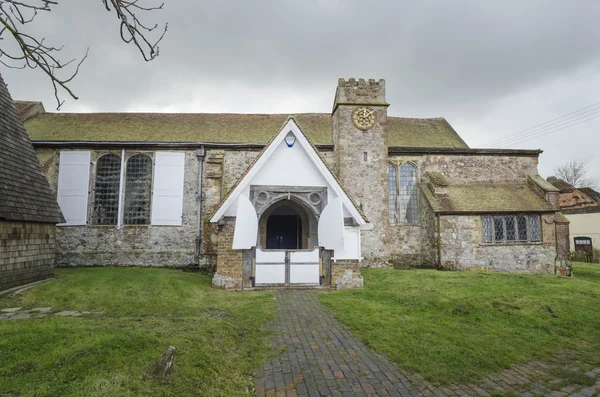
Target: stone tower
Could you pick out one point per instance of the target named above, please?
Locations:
(360, 141)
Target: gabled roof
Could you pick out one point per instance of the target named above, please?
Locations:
(560, 184)
(260, 161)
(25, 194)
(487, 198)
(222, 127)
(589, 191)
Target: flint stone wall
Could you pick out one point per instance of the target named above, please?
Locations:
(139, 245)
(475, 168)
(462, 247)
(26, 252)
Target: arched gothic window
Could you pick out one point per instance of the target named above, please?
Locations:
(393, 192)
(106, 190)
(404, 205)
(138, 190)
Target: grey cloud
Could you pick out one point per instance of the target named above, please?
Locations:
(465, 60)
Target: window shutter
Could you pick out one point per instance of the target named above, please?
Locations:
(73, 186)
(167, 199)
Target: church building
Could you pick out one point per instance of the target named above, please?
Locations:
(294, 200)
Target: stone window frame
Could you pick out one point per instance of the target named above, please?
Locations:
(507, 224)
(150, 189)
(96, 155)
(393, 217)
(95, 193)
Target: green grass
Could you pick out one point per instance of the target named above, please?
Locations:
(146, 310)
(461, 326)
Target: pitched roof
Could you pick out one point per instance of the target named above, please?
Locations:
(25, 194)
(589, 191)
(222, 127)
(259, 161)
(560, 184)
(488, 198)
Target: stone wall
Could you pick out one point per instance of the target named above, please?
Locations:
(346, 274)
(139, 245)
(462, 247)
(474, 168)
(26, 252)
(229, 273)
(365, 180)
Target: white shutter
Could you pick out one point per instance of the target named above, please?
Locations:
(73, 186)
(167, 198)
(331, 226)
(246, 225)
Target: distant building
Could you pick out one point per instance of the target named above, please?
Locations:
(28, 207)
(303, 199)
(582, 209)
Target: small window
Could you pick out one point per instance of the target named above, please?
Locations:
(511, 228)
(106, 190)
(583, 244)
(138, 190)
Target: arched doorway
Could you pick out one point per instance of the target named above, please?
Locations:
(287, 225)
(284, 229)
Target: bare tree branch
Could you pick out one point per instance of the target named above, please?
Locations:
(33, 53)
(576, 174)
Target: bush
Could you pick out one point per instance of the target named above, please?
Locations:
(588, 257)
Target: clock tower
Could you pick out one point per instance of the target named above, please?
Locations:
(360, 139)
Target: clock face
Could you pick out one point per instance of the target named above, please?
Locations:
(363, 117)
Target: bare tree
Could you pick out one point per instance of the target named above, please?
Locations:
(576, 174)
(34, 53)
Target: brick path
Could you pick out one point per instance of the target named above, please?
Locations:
(317, 356)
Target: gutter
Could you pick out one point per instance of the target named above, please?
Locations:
(157, 145)
(200, 153)
(464, 151)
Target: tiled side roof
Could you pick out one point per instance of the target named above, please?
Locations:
(560, 184)
(25, 194)
(484, 198)
(589, 191)
(234, 128)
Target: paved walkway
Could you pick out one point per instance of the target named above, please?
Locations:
(316, 356)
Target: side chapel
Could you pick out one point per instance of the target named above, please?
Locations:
(294, 200)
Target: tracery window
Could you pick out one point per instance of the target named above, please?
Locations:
(403, 194)
(138, 190)
(106, 190)
(393, 192)
(512, 228)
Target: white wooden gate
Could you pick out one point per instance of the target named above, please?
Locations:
(287, 267)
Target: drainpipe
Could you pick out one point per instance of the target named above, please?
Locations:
(200, 155)
(439, 240)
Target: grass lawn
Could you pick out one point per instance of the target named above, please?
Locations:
(460, 326)
(145, 311)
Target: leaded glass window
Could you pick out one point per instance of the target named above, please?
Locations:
(138, 190)
(408, 207)
(106, 190)
(393, 192)
(511, 228)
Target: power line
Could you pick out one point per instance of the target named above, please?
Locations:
(554, 130)
(545, 123)
(549, 127)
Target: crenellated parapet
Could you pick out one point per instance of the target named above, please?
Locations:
(360, 92)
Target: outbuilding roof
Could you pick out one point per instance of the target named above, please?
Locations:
(25, 193)
(488, 198)
(222, 127)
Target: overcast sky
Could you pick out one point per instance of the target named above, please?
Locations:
(491, 68)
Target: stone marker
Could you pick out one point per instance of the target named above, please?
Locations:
(11, 310)
(67, 313)
(162, 366)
